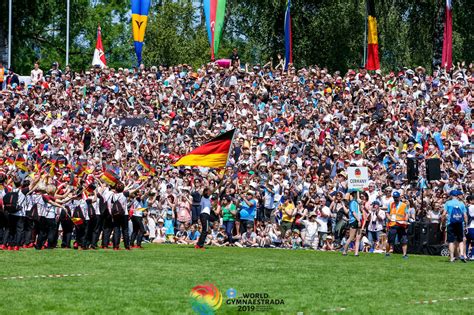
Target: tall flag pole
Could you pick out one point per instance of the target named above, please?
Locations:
(447, 58)
(214, 10)
(99, 55)
(288, 36)
(373, 62)
(140, 10)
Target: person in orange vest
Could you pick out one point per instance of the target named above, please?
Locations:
(3, 73)
(397, 214)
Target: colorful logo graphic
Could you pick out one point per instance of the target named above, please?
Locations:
(231, 293)
(357, 172)
(205, 299)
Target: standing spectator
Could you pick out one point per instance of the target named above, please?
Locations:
(398, 223)
(355, 218)
(229, 212)
(248, 210)
(375, 221)
(288, 210)
(455, 214)
(36, 74)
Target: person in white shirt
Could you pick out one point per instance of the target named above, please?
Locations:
(120, 220)
(375, 221)
(80, 217)
(36, 74)
(47, 225)
(311, 236)
(16, 219)
(138, 227)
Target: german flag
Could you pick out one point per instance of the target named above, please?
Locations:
(109, 177)
(20, 162)
(372, 62)
(212, 154)
(77, 221)
(147, 166)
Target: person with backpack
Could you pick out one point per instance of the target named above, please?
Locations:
(14, 203)
(80, 218)
(119, 212)
(455, 214)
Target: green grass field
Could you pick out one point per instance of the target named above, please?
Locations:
(158, 280)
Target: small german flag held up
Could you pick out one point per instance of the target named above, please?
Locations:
(212, 154)
(110, 177)
(77, 221)
(372, 62)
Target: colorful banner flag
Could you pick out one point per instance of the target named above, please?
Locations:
(447, 58)
(214, 10)
(288, 37)
(212, 154)
(140, 10)
(99, 55)
(372, 62)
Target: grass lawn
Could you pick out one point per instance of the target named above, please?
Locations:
(158, 280)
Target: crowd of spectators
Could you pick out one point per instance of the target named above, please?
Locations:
(298, 130)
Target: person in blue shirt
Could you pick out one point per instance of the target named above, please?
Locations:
(355, 217)
(455, 214)
(248, 208)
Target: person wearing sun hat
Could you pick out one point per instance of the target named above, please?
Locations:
(455, 214)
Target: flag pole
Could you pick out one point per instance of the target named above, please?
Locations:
(9, 33)
(67, 31)
(231, 146)
(365, 36)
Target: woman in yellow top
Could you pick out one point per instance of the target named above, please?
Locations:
(287, 212)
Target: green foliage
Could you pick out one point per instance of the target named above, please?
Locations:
(174, 37)
(328, 33)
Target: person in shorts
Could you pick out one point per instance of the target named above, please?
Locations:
(355, 217)
(397, 213)
(455, 214)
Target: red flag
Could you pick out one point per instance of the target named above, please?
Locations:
(447, 60)
(99, 55)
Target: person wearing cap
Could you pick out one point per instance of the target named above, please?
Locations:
(375, 221)
(398, 215)
(455, 216)
(355, 224)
